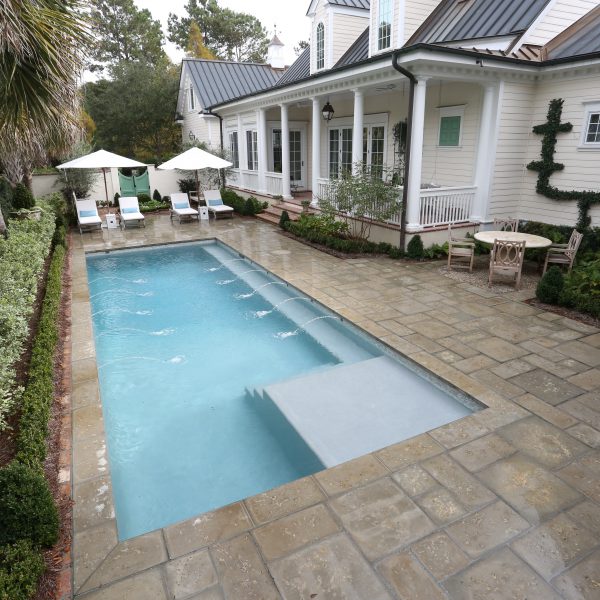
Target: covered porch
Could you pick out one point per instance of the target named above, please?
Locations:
(283, 146)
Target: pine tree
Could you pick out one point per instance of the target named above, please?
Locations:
(195, 47)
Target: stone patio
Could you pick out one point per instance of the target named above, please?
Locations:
(502, 504)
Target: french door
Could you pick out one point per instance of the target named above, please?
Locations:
(297, 160)
(340, 150)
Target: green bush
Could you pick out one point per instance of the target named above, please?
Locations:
(22, 258)
(234, 200)
(254, 206)
(415, 249)
(283, 219)
(396, 253)
(39, 391)
(22, 198)
(116, 198)
(582, 288)
(58, 205)
(27, 509)
(156, 196)
(550, 286)
(436, 251)
(21, 566)
(144, 198)
(187, 185)
(153, 205)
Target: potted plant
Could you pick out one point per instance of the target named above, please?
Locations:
(305, 204)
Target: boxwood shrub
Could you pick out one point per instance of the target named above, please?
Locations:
(243, 206)
(27, 510)
(21, 566)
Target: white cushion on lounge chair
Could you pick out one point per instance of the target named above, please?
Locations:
(179, 198)
(129, 202)
(214, 202)
(87, 206)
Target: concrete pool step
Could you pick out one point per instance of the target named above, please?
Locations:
(350, 410)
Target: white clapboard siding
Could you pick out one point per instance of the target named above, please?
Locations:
(346, 29)
(582, 167)
(511, 148)
(560, 15)
(415, 13)
(451, 166)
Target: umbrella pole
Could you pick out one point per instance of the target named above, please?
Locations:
(197, 188)
(106, 190)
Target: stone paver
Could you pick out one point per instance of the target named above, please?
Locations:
(381, 518)
(555, 545)
(331, 569)
(502, 576)
(499, 505)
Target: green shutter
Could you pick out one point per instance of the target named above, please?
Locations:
(450, 131)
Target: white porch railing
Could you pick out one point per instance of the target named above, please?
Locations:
(325, 189)
(274, 183)
(440, 206)
(249, 180)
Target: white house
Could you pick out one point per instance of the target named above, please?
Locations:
(483, 72)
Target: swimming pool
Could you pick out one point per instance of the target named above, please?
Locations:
(220, 381)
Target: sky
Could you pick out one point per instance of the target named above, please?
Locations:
(288, 16)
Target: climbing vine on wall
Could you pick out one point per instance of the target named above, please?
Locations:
(547, 167)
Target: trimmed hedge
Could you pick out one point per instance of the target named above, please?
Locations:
(550, 286)
(244, 206)
(415, 248)
(21, 566)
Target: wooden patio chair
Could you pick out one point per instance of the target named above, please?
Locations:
(507, 224)
(564, 254)
(507, 259)
(461, 249)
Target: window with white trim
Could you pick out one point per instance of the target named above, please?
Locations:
(252, 148)
(590, 134)
(320, 46)
(191, 99)
(450, 126)
(234, 149)
(374, 149)
(384, 25)
(340, 151)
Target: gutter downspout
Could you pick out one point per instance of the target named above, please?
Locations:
(214, 114)
(409, 119)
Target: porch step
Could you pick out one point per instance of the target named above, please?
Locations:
(272, 214)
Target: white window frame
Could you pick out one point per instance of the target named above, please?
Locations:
(319, 47)
(235, 154)
(252, 152)
(451, 111)
(369, 121)
(390, 7)
(590, 108)
(191, 99)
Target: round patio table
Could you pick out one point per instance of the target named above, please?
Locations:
(531, 241)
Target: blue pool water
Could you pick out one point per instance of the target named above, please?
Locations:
(181, 336)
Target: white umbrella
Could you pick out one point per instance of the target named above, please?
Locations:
(195, 159)
(101, 159)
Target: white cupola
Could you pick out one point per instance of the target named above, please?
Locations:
(275, 56)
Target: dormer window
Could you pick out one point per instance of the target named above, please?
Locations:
(384, 28)
(320, 46)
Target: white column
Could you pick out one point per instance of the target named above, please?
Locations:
(357, 130)
(285, 153)
(485, 146)
(261, 117)
(316, 150)
(413, 203)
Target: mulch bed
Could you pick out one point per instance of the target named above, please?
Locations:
(563, 311)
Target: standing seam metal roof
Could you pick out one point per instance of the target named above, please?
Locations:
(584, 41)
(457, 20)
(352, 3)
(218, 81)
(299, 70)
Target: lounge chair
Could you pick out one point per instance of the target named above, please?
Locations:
(130, 211)
(180, 206)
(87, 215)
(215, 204)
